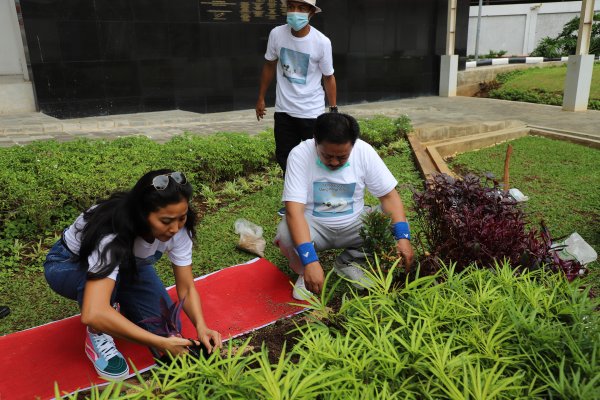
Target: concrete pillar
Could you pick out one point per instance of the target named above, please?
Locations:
(449, 62)
(578, 82)
(580, 66)
(530, 28)
(448, 75)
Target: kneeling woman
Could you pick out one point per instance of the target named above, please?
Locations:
(107, 256)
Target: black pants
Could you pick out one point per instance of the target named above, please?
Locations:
(289, 132)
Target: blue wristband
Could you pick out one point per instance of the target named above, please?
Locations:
(307, 253)
(401, 230)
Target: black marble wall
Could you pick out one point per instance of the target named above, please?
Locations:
(98, 57)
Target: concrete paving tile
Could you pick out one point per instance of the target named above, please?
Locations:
(52, 127)
(108, 124)
(121, 123)
(13, 129)
(88, 125)
(71, 126)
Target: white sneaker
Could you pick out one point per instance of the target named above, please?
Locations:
(300, 291)
(352, 273)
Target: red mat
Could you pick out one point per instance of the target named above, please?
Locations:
(235, 300)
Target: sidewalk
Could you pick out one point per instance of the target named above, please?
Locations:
(428, 111)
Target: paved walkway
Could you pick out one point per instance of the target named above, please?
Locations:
(161, 126)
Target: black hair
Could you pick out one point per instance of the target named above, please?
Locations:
(125, 214)
(336, 128)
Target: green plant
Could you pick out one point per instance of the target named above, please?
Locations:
(378, 239)
(565, 43)
(381, 130)
(473, 334)
(472, 221)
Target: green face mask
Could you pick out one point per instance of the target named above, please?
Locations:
(320, 164)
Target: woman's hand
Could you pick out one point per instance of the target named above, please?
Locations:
(210, 339)
(174, 345)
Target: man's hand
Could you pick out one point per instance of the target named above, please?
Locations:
(261, 109)
(314, 277)
(405, 250)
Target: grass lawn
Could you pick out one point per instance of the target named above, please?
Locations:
(561, 179)
(550, 79)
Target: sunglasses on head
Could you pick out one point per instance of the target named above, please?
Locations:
(161, 182)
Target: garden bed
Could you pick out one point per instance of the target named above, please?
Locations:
(443, 336)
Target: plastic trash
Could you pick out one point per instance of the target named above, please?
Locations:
(251, 237)
(576, 248)
(517, 195)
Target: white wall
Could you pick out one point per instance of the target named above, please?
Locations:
(517, 28)
(11, 46)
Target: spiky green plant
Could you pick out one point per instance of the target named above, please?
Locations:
(459, 334)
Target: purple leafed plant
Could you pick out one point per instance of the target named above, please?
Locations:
(473, 221)
(168, 323)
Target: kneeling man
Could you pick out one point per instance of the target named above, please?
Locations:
(324, 189)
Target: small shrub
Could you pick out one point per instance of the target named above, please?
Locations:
(470, 221)
(566, 42)
(376, 233)
(538, 96)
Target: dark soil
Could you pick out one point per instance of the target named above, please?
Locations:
(284, 332)
(486, 87)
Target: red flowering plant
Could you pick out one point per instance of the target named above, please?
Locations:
(473, 221)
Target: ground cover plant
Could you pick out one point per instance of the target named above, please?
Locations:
(476, 334)
(562, 181)
(540, 85)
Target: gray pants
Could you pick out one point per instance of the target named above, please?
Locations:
(324, 238)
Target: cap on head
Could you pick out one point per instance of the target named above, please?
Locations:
(310, 2)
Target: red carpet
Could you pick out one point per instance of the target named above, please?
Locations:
(235, 301)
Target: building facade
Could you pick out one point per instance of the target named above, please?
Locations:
(99, 57)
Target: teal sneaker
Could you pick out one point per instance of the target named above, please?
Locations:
(102, 352)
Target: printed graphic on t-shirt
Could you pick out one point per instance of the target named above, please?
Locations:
(294, 65)
(333, 199)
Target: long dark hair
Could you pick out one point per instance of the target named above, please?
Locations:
(125, 214)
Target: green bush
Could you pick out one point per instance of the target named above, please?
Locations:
(479, 334)
(566, 42)
(381, 130)
(46, 184)
(538, 96)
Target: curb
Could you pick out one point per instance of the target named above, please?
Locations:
(515, 60)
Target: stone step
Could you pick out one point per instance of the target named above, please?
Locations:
(570, 136)
(474, 142)
(428, 132)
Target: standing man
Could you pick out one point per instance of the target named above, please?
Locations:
(301, 56)
(324, 199)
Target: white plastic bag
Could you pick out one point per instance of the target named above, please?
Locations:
(575, 248)
(518, 195)
(251, 239)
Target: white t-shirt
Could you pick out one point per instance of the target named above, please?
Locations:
(179, 247)
(335, 198)
(302, 64)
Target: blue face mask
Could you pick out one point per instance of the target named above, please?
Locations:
(297, 20)
(320, 164)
